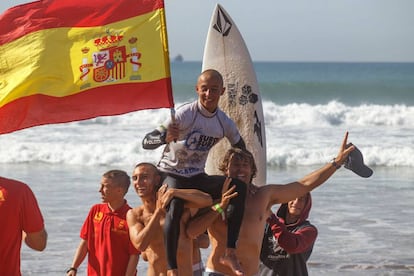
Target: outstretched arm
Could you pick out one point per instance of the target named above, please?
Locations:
(287, 192)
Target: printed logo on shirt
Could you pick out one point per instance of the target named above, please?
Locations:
(187, 171)
(121, 228)
(198, 141)
(98, 217)
(121, 224)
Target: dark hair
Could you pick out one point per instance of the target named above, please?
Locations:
(241, 154)
(119, 177)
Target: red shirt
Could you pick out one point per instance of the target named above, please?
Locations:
(19, 212)
(109, 246)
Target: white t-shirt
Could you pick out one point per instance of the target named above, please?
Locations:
(200, 130)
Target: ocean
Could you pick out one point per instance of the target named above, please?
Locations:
(365, 225)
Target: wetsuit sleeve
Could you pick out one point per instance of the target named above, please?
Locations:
(292, 242)
(240, 144)
(155, 138)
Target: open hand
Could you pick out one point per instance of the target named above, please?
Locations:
(161, 197)
(227, 193)
(343, 151)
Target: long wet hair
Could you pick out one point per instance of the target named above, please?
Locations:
(241, 154)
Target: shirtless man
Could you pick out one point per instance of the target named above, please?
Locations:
(146, 222)
(259, 200)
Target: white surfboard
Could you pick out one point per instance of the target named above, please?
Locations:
(226, 51)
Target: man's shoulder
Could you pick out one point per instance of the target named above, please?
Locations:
(306, 224)
(188, 106)
(265, 189)
(137, 209)
(9, 183)
(223, 114)
(138, 212)
(264, 195)
(186, 111)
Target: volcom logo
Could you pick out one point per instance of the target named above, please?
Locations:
(223, 23)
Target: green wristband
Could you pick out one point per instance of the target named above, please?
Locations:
(218, 208)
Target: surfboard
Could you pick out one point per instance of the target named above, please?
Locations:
(226, 52)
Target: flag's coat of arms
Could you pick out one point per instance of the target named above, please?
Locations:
(109, 64)
(110, 59)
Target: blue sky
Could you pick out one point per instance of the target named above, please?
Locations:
(297, 30)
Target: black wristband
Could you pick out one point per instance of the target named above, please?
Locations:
(334, 164)
(72, 268)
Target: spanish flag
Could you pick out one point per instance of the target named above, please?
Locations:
(69, 60)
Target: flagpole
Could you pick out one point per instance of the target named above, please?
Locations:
(172, 112)
(167, 57)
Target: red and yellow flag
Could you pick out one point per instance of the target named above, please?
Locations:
(69, 60)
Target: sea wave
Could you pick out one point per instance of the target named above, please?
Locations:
(297, 135)
(336, 114)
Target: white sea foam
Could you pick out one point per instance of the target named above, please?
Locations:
(297, 134)
(337, 114)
